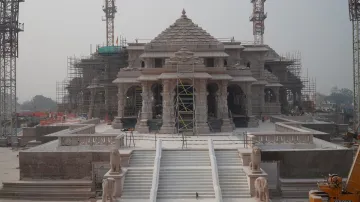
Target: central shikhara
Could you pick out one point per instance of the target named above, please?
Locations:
(226, 84)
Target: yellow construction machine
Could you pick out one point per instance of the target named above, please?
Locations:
(333, 190)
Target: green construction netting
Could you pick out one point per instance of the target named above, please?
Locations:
(109, 49)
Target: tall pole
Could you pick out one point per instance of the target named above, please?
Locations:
(354, 14)
(110, 10)
(9, 30)
(258, 18)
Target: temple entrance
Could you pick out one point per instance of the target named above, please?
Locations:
(236, 103)
(236, 100)
(133, 105)
(184, 103)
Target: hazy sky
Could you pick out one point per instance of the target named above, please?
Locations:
(319, 29)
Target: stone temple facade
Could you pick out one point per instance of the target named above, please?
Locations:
(233, 82)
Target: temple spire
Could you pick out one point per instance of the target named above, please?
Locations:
(183, 13)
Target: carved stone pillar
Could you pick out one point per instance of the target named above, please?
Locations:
(142, 126)
(262, 100)
(201, 111)
(92, 101)
(117, 123)
(168, 126)
(253, 122)
(219, 105)
(249, 99)
(227, 123)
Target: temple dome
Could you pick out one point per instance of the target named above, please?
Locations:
(184, 31)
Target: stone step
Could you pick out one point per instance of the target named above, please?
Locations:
(184, 195)
(233, 192)
(182, 189)
(235, 186)
(237, 196)
(170, 183)
(186, 173)
(134, 197)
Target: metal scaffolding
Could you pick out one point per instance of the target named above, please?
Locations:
(308, 93)
(258, 18)
(9, 30)
(354, 14)
(185, 101)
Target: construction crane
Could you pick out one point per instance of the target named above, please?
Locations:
(354, 14)
(110, 10)
(9, 30)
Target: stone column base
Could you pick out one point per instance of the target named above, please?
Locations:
(167, 129)
(227, 125)
(142, 127)
(202, 128)
(252, 177)
(253, 122)
(119, 178)
(117, 124)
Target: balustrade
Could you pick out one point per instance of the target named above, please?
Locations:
(87, 140)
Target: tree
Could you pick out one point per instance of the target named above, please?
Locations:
(340, 96)
(39, 103)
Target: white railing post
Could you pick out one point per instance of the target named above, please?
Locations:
(214, 172)
(156, 172)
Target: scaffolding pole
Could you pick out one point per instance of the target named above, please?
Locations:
(9, 31)
(354, 15)
(185, 102)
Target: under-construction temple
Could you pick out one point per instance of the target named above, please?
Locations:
(185, 80)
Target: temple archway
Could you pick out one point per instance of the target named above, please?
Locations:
(212, 89)
(157, 100)
(236, 100)
(270, 96)
(133, 102)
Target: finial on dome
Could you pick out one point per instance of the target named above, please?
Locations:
(183, 13)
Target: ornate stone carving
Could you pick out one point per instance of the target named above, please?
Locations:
(108, 186)
(115, 161)
(255, 159)
(261, 189)
(184, 57)
(130, 69)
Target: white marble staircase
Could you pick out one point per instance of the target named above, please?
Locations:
(137, 184)
(142, 158)
(183, 173)
(138, 178)
(232, 178)
(55, 190)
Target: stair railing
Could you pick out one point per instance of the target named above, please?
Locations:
(214, 171)
(156, 172)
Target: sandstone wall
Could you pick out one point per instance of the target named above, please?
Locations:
(311, 163)
(61, 165)
(39, 133)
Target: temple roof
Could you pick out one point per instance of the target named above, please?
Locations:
(184, 31)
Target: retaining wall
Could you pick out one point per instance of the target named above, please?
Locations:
(62, 165)
(310, 163)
